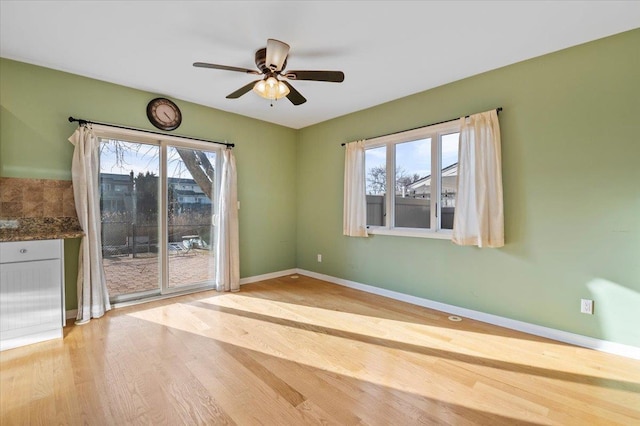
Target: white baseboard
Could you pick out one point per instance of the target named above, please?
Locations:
(537, 330)
(30, 339)
(269, 276)
(71, 314)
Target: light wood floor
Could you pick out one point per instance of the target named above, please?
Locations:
(302, 351)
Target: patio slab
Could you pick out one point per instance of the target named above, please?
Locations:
(126, 275)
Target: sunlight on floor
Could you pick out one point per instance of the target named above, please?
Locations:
(366, 347)
(447, 336)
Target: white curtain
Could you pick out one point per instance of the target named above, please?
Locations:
(93, 296)
(478, 218)
(354, 221)
(227, 244)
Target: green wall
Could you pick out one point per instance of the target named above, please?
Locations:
(35, 103)
(571, 169)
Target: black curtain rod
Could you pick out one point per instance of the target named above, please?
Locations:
(82, 122)
(420, 127)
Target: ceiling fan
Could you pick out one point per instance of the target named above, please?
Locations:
(271, 62)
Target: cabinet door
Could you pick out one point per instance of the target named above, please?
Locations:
(30, 297)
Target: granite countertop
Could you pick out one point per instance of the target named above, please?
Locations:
(39, 228)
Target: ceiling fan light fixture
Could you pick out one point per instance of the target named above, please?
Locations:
(271, 89)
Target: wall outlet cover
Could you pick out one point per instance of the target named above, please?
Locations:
(586, 306)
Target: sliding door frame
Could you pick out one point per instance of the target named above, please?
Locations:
(164, 220)
(164, 142)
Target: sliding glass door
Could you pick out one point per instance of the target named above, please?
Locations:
(157, 207)
(191, 189)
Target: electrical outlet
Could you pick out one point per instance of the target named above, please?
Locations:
(319, 258)
(586, 306)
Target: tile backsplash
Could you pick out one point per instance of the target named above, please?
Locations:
(36, 198)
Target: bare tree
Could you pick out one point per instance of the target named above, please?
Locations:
(404, 180)
(377, 180)
(200, 168)
(196, 162)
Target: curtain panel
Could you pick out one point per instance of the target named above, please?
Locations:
(354, 223)
(479, 217)
(93, 295)
(227, 240)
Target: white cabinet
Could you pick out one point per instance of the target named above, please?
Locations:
(31, 292)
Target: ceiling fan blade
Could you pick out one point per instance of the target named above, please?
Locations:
(330, 76)
(294, 96)
(241, 91)
(224, 67)
(277, 52)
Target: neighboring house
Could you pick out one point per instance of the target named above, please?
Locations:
(117, 191)
(187, 194)
(422, 188)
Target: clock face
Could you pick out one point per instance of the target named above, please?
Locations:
(164, 114)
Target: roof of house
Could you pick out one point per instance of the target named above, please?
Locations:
(451, 170)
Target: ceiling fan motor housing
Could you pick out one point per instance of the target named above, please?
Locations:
(261, 62)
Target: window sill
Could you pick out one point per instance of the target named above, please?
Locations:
(411, 232)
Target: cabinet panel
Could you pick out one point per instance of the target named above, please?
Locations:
(24, 251)
(31, 294)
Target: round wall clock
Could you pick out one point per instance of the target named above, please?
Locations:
(164, 114)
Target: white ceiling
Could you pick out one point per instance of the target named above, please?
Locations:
(387, 49)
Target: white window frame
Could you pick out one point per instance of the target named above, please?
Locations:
(435, 132)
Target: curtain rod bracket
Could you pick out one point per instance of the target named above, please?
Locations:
(80, 121)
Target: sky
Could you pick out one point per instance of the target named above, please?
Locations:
(414, 157)
(141, 158)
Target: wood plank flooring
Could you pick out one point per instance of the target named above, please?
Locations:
(302, 351)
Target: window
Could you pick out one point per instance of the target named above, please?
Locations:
(420, 199)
